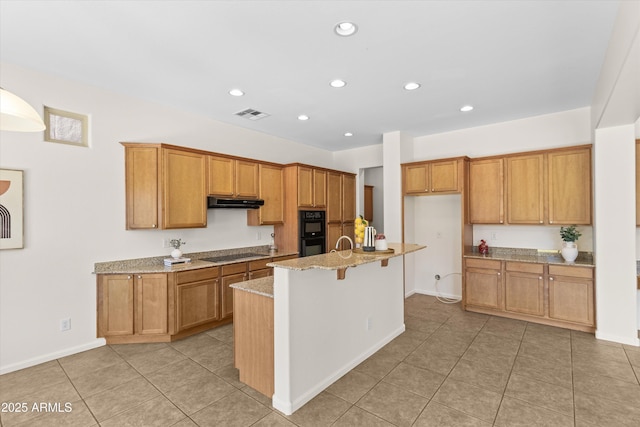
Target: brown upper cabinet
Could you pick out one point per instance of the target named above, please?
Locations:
(441, 176)
(165, 187)
(525, 189)
(486, 191)
(638, 186)
(341, 207)
(569, 186)
(334, 197)
(552, 187)
(229, 177)
(271, 190)
(312, 187)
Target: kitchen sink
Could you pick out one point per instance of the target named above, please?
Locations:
(232, 257)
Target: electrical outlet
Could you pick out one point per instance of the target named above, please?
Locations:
(165, 243)
(258, 236)
(368, 323)
(65, 324)
(494, 236)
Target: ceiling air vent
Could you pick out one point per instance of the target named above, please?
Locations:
(252, 114)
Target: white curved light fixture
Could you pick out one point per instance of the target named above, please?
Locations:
(17, 115)
(303, 117)
(236, 92)
(337, 83)
(466, 108)
(348, 134)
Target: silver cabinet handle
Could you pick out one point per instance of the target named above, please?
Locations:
(139, 277)
(128, 277)
(541, 222)
(539, 277)
(499, 274)
(153, 226)
(550, 278)
(550, 222)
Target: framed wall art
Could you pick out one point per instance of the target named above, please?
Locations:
(11, 209)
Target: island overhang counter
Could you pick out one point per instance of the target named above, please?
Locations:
(330, 313)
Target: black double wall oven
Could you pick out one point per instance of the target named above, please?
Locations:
(311, 235)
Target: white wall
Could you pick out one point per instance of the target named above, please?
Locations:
(437, 221)
(614, 213)
(74, 205)
(374, 177)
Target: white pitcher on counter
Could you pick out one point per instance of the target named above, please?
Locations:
(369, 242)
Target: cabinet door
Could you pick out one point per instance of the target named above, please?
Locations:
(319, 188)
(415, 179)
(524, 293)
(305, 187)
(272, 192)
(151, 304)
(141, 164)
(486, 197)
(638, 182)
(444, 176)
(227, 292)
(348, 198)
(525, 189)
(348, 229)
(334, 198)
(569, 186)
(483, 288)
(246, 179)
(571, 299)
(334, 231)
(184, 192)
(221, 176)
(115, 305)
(197, 303)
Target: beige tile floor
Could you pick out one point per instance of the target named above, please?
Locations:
(450, 368)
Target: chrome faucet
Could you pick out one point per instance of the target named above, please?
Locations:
(338, 242)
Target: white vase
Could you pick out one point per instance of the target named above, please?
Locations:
(569, 251)
(176, 253)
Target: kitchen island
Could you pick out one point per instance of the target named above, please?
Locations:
(330, 313)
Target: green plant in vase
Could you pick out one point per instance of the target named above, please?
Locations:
(569, 236)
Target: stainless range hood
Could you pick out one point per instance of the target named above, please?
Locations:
(222, 203)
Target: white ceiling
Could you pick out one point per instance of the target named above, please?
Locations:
(509, 59)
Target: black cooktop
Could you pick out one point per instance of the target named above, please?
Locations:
(231, 257)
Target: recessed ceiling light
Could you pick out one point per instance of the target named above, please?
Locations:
(303, 117)
(348, 134)
(338, 83)
(236, 92)
(466, 108)
(346, 29)
(412, 86)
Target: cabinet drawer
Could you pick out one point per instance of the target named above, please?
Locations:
(234, 268)
(196, 275)
(258, 264)
(483, 263)
(525, 267)
(563, 270)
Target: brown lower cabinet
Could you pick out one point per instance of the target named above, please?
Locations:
(162, 307)
(557, 295)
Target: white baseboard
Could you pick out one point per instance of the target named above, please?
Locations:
(289, 408)
(634, 341)
(436, 294)
(99, 342)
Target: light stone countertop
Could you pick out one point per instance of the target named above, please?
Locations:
(156, 264)
(585, 259)
(329, 261)
(262, 286)
(344, 259)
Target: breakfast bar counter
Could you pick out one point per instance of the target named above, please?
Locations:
(317, 326)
